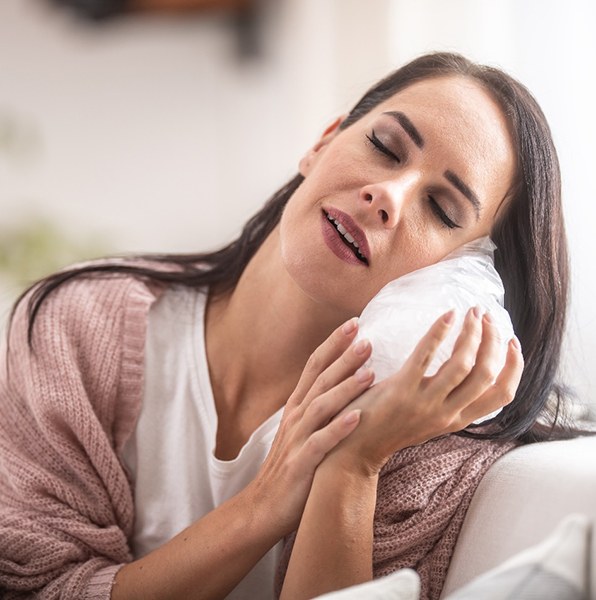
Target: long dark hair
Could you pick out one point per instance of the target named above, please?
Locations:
(530, 238)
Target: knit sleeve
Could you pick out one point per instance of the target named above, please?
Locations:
(67, 405)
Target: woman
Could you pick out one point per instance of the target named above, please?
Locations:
(142, 397)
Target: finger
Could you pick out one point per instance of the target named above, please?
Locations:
(484, 372)
(462, 360)
(474, 311)
(422, 355)
(321, 442)
(325, 407)
(322, 357)
(347, 364)
(503, 391)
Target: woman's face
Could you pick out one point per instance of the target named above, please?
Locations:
(417, 177)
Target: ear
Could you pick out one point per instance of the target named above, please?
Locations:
(310, 158)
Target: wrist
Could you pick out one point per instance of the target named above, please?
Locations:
(275, 503)
(346, 468)
(261, 513)
(352, 460)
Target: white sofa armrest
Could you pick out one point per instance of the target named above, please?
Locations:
(520, 500)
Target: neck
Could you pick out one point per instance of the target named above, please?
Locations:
(260, 335)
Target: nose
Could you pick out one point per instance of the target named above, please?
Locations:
(387, 198)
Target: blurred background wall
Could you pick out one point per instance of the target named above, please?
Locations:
(155, 132)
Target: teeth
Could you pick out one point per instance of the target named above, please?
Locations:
(345, 234)
(350, 239)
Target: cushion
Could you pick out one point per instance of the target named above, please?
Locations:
(556, 569)
(401, 585)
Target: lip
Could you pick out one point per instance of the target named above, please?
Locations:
(332, 236)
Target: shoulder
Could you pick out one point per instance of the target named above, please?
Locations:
(446, 453)
(87, 298)
(85, 354)
(452, 464)
(77, 322)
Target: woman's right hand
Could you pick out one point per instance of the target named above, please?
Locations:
(332, 378)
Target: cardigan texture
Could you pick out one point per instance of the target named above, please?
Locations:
(69, 404)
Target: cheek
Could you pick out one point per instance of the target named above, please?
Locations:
(340, 168)
(415, 244)
(290, 231)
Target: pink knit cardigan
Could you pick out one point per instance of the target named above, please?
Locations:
(68, 407)
(66, 506)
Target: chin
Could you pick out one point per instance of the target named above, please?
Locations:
(318, 275)
(324, 291)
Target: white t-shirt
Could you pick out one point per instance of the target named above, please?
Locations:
(177, 478)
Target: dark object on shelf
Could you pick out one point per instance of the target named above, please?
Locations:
(97, 10)
(245, 15)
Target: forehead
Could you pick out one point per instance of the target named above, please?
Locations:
(455, 110)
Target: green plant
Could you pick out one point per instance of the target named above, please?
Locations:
(36, 246)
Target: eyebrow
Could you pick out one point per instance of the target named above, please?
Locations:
(407, 126)
(464, 189)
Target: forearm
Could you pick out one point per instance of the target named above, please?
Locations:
(206, 560)
(333, 546)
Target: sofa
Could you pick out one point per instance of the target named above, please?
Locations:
(527, 533)
(520, 501)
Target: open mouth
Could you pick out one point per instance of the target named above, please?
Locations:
(346, 238)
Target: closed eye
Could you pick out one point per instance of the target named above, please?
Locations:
(441, 214)
(378, 145)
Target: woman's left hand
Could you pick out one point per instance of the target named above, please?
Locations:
(409, 408)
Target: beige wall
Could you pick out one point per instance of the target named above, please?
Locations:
(154, 133)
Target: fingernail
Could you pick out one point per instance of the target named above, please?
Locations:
(449, 317)
(350, 325)
(361, 346)
(352, 417)
(515, 342)
(488, 317)
(363, 374)
(477, 312)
